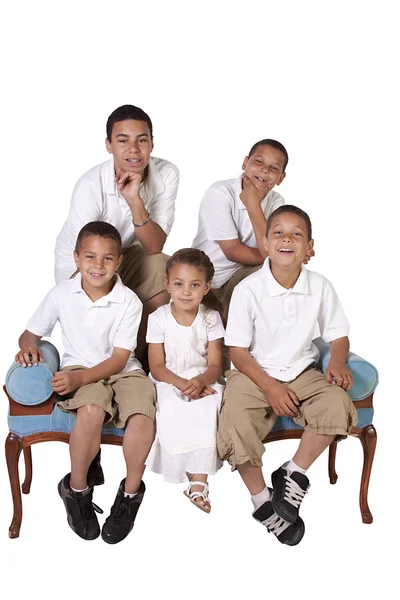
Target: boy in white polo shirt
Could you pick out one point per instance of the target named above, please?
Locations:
(134, 192)
(272, 320)
(101, 379)
(233, 217)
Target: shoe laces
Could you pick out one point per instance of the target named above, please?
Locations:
(275, 524)
(294, 494)
(87, 508)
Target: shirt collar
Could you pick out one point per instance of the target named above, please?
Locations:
(276, 289)
(116, 295)
(153, 185)
(238, 191)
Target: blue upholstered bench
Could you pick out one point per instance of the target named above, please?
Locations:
(34, 418)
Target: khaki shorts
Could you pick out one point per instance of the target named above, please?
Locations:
(143, 273)
(224, 293)
(246, 418)
(120, 396)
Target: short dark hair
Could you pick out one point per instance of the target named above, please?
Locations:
(290, 209)
(104, 230)
(273, 144)
(124, 113)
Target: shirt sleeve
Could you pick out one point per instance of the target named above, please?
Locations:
(126, 334)
(276, 201)
(240, 327)
(45, 317)
(216, 214)
(162, 210)
(85, 207)
(215, 327)
(332, 321)
(155, 329)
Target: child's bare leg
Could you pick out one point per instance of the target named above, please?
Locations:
(199, 488)
(310, 448)
(253, 477)
(84, 443)
(138, 438)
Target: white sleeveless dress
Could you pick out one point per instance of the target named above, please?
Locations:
(186, 431)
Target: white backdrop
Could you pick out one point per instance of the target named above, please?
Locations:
(215, 77)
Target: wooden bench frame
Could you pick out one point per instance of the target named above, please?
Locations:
(15, 445)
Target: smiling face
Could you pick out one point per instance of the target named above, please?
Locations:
(131, 145)
(287, 241)
(187, 286)
(97, 261)
(265, 167)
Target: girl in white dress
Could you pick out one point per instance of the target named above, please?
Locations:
(185, 356)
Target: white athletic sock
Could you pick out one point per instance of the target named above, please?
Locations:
(80, 491)
(291, 466)
(126, 495)
(259, 499)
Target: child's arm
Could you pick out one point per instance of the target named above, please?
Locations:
(64, 382)
(281, 399)
(28, 343)
(158, 369)
(337, 364)
(251, 198)
(198, 386)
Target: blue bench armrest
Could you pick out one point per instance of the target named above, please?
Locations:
(32, 385)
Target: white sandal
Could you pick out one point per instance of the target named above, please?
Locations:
(204, 495)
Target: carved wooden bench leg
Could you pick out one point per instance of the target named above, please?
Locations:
(368, 440)
(26, 486)
(331, 463)
(13, 450)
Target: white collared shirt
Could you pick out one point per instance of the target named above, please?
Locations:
(96, 198)
(90, 330)
(223, 216)
(278, 325)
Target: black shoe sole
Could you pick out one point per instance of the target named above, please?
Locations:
(89, 537)
(113, 541)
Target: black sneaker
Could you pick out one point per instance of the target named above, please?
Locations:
(287, 533)
(122, 515)
(80, 510)
(289, 491)
(95, 475)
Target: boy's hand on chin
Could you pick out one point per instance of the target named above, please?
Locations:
(283, 400)
(64, 382)
(250, 193)
(128, 184)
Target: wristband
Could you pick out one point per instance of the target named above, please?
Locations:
(143, 222)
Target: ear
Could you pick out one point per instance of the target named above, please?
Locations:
(108, 146)
(281, 178)
(244, 165)
(310, 245)
(76, 259)
(152, 144)
(167, 286)
(208, 288)
(119, 261)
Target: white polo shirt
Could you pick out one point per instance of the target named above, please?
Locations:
(96, 198)
(223, 216)
(278, 325)
(90, 330)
